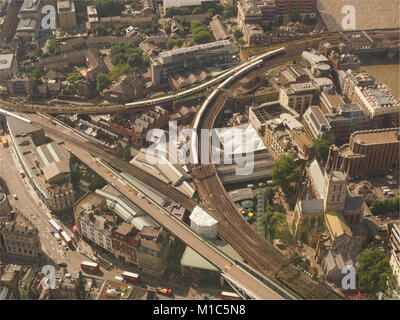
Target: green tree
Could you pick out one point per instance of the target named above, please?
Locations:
(285, 171)
(271, 222)
(386, 206)
(179, 42)
(167, 29)
(373, 271)
(202, 37)
(36, 74)
(197, 10)
(195, 24)
(211, 11)
(269, 195)
(321, 147)
(51, 46)
(237, 34)
(103, 81)
(170, 43)
(109, 8)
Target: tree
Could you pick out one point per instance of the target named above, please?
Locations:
(285, 171)
(170, 43)
(237, 34)
(195, 24)
(36, 75)
(109, 8)
(167, 29)
(51, 46)
(269, 195)
(103, 81)
(271, 222)
(197, 10)
(179, 42)
(321, 147)
(202, 37)
(373, 271)
(386, 206)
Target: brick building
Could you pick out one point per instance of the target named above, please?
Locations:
(368, 152)
(19, 238)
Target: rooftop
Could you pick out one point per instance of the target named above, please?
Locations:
(6, 60)
(27, 24)
(317, 177)
(379, 136)
(380, 96)
(336, 224)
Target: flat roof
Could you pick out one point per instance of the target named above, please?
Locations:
(6, 60)
(378, 137)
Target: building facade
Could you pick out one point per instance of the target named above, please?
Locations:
(66, 14)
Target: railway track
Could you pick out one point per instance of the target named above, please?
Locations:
(235, 229)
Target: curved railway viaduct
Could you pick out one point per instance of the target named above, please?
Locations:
(233, 227)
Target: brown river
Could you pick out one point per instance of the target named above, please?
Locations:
(384, 70)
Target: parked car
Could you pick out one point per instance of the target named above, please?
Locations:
(52, 232)
(164, 291)
(62, 264)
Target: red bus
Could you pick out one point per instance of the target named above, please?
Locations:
(131, 277)
(90, 266)
(66, 238)
(225, 295)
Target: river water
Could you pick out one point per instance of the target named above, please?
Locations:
(384, 70)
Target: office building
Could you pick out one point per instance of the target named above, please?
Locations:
(66, 14)
(204, 55)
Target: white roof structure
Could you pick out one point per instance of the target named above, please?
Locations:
(203, 223)
(317, 177)
(242, 139)
(181, 3)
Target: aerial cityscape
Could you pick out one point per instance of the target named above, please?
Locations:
(199, 150)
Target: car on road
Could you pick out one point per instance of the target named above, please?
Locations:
(164, 291)
(62, 264)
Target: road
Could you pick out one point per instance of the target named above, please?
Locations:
(31, 207)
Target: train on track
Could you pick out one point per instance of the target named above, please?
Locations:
(230, 74)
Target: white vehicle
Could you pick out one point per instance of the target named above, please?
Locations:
(58, 238)
(386, 191)
(15, 196)
(384, 187)
(118, 278)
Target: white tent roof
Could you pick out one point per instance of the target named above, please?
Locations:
(239, 140)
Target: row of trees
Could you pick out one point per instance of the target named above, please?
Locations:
(200, 35)
(116, 31)
(226, 11)
(172, 43)
(109, 8)
(386, 206)
(127, 54)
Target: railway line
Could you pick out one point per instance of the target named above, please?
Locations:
(235, 229)
(262, 289)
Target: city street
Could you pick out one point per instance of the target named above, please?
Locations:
(34, 210)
